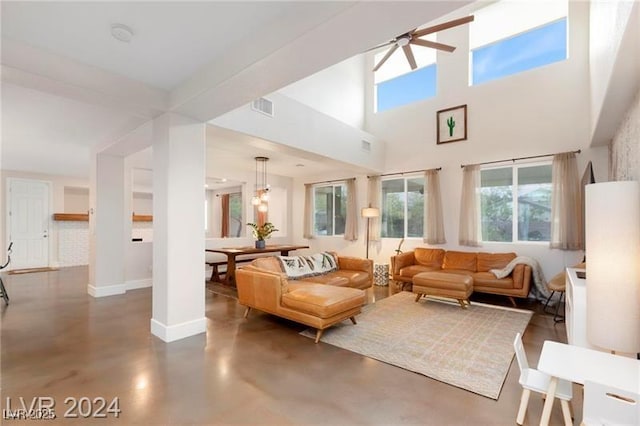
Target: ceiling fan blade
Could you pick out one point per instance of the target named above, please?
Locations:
(409, 54)
(443, 26)
(433, 45)
(384, 59)
(380, 45)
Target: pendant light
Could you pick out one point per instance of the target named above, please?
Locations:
(261, 194)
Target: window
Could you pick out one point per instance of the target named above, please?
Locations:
(534, 35)
(402, 208)
(235, 215)
(330, 209)
(528, 200)
(397, 85)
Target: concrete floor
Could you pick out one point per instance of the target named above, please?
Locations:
(59, 342)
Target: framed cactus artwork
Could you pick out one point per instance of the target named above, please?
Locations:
(452, 124)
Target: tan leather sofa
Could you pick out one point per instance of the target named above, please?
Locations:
(319, 301)
(475, 264)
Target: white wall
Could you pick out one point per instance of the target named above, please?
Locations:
(541, 111)
(337, 91)
(76, 200)
(297, 125)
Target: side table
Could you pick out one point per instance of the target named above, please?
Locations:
(381, 274)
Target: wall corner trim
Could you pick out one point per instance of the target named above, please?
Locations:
(136, 284)
(171, 333)
(106, 290)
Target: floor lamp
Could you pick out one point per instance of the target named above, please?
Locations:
(613, 267)
(369, 212)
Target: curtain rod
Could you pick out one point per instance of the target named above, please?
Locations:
(517, 159)
(406, 173)
(329, 181)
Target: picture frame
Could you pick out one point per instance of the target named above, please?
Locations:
(452, 124)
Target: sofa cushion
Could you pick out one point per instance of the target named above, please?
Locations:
(429, 257)
(297, 267)
(327, 279)
(487, 279)
(410, 271)
(355, 279)
(459, 260)
(459, 272)
(323, 301)
(488, 261)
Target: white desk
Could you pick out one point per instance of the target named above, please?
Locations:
(577, 364)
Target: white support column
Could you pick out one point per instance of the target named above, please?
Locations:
(106, 226)
(178, 227)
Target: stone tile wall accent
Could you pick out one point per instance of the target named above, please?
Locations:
(73, 243)
(143, 230)
(624, 150)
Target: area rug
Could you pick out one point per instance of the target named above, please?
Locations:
(30, 270)
(468, 348)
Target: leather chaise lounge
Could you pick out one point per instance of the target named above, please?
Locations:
(318, 301)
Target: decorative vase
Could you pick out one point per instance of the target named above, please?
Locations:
(260, 244)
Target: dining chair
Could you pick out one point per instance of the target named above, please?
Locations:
(537, 381)
(605, 405)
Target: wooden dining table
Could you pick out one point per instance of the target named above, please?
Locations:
(233, 253)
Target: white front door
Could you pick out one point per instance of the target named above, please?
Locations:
(29, 223)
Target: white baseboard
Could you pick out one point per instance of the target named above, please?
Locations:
(106, 290)
(170, 333)
(136, 284)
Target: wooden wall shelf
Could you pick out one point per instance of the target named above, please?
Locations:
(142, 218)
(74, 217)
(84, 217)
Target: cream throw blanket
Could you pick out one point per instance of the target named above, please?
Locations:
(308, 266)
(539, 288)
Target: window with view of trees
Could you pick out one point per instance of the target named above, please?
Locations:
(330, 209)
(235, 214)
(516, 203)
(402, 208)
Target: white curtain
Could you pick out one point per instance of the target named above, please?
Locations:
(351, 222)
(307, 231)
(374, 192)
(470, 232)
(433, 220)
(566, 212)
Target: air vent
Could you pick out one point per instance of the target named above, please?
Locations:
(263, 105)
(366, 145)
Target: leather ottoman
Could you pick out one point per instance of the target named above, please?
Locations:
(443, 284)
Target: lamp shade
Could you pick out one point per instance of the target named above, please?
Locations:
(370, 212)
(613, 265)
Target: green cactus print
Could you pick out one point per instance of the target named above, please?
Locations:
(451, 123)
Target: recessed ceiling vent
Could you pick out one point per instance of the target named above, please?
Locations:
(263, 105)
(366, 145)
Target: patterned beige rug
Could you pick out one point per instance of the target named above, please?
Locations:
(468, 348)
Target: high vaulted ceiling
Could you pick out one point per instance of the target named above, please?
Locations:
(69, 87)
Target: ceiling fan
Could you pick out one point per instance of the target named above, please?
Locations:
(413, 37)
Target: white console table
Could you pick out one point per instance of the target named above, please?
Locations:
(576, 309)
